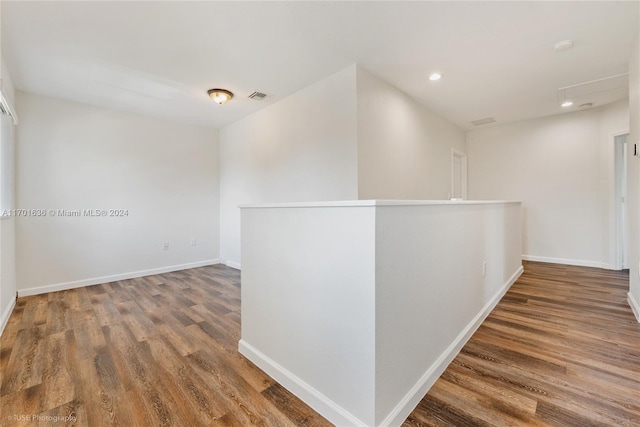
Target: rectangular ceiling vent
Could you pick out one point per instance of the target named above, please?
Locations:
(258, 96)
(484, 121)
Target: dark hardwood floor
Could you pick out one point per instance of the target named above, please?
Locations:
(562, 348)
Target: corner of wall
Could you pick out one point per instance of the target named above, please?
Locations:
(165, 192)
(301, 148)
(635, 306)
(404, 149)
(361, 75)
(216, 220)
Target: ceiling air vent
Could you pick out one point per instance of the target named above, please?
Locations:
(484, 121)
(258, 96)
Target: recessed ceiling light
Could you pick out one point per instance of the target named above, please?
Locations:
(435, 76)
(220, 96)
(566, 104)
(563, 45)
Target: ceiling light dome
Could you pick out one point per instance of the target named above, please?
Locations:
(435, 76)
(220, 96)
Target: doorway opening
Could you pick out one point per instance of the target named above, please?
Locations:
(458, 175)
(621, 217)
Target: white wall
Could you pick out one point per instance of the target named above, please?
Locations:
(404, 150)
(633, 180)
(561, 168)
(362, 341)
(7, 227)
(74, 156)
(302, 148)
(349, 136)
(614, 120)
(317, 323)
(431, 293)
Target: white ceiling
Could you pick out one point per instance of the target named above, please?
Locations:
(159, 58)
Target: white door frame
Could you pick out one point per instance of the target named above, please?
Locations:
(455, 154)
(616, 227)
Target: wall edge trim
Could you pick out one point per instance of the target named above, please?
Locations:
(568, 261)
(111, 278)
(635, 307)
(404, 408)
(231, 264)
(312, 397)
(5, 316)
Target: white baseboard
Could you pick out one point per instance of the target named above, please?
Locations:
(635, 307)
(567, 261)
(105, 279)
(403, 409)
(231, 264)
(6, 314)
(338, 415)
(312, 397)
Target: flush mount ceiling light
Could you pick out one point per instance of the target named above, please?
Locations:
(566, 104)
(220, 96)
(563, 45)
(435, 76)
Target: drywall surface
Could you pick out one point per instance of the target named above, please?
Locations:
(302, 148)
(614, 120)
(404, 150)
(157, 182)
(349, 136)
(431, 292)
(308, 298)
(561, 168)
(357, 307)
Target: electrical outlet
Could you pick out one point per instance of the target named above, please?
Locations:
(165, 246)
(194, 242)
(484, 268)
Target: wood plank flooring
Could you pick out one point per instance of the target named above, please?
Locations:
(153, 351)
(562, 348)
